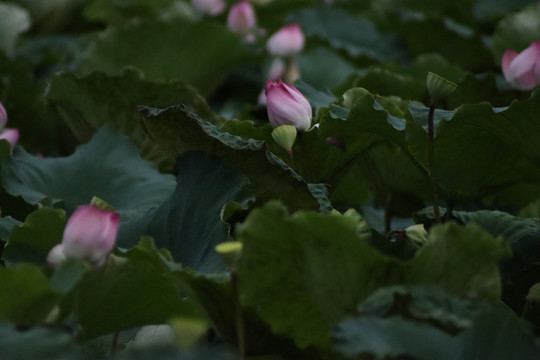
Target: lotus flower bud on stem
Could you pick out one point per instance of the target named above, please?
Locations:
(209, 7)
(522, 71)
(242, 20)
(438, 87)
(90, 235)
(287, 106)
(230, 252)
(284, 136)
(286, 42)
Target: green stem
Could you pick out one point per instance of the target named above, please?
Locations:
(240, 334)
(431, 141)
(114, 343)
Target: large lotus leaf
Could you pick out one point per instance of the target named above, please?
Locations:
(132, 289)
(392, 338)
(30, 242)
(117, 13)
(296, 256)
(427, 304)
(189, 223)
(92, 102)
(462, 260)
(323, 68)
(47, 344)
(407, 82)
(517, 340)
(479, 149)
(318, 265)
(198, 53)
(520, 271)
(516, 31)
(177, 129)
(334, 26)
(423, 30)
(27, 296)
(108, 167)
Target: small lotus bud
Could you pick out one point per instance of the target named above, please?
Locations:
(438, 87)
(230, 252)
(417, 234)
(241, 19)
(522, 70)
(11, 135)
(102, 204)
(210, 7)
(284, 136)
(90, 235)
(287, 106)
(287, 41)
(189, 331)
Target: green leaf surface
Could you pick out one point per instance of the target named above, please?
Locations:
(30, 242)
(26, 294)
(197, 53)
(92, 102)
(134, 289)
(38, 343)
(334, 26)
(189, 223)
(121, 178)
(463, 260)
(178, 129)
(321, 265)
(296, 256)
(394, 337)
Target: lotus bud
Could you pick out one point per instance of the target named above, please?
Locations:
(522, 71)
(209, 7)
(3, 117)
(11, 135)
(287, 41)
(230, 252)
(287, 106)
(438, 87)
(241, 19)
(90, 234)
(284, 136)
(417, 234)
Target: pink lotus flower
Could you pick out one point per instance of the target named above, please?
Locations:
(90, 235)
(11, 135)
(210, 7)
(287, 106)
(3, 117)
(522, 70)
(241, 19)
(287, 41)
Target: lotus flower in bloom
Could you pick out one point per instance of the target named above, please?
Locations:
(90, 235)
(241, 19)
(287, 106)
(3, 117)
(210, 7)
(522, 70)
(287, 41)
(11, 135)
